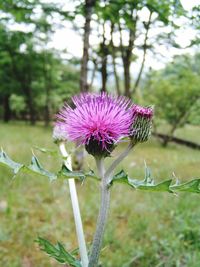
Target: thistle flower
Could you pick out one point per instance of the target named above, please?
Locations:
(59, 133)
(97, 121)
(142, 123)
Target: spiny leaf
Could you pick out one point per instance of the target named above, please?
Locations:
(148, 176)
(5, 160)
(144, 185)
(74, 252)
(120, 177)
(148, 183)
(191, 186)
(76, 174)
(161, 187)
(70, 174)
(36, 167)
(58, 252)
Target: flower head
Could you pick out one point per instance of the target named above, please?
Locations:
(59, 133)
(142, 123)
(145, 112)
(97, 121)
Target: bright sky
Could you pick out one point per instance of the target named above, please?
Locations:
(189, 4)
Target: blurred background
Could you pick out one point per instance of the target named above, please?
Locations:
(147, 50)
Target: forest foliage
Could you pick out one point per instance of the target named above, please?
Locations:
(36, 79)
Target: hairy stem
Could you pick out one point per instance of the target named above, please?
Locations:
(103, 212)
(119, 159)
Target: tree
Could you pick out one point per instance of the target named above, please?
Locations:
(27, 66)
(88, 9)
(175, 92)
(132, 29)
(8, 83)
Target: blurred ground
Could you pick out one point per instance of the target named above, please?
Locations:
(144, 229)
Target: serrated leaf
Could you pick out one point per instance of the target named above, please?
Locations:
(36, 167)
(5, 160)
(191, 186)
(58, 252)
(160, 187)
(148, 186)
(148, 176)
(120, 177)
(75, 252)
(148, 183)
(71, 174)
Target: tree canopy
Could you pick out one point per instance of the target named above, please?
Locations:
(35, 78)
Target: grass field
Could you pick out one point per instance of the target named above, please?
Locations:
(143, 230)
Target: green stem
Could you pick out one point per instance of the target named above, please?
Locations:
(103, 212)
(119, 159)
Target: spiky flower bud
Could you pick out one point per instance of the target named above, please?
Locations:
(142, 123)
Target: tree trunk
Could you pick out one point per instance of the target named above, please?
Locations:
(181, 120)
(177, 140)
(47, 81)
(169, 137)
(126, 53)
(47, 113)
(116, 76)
(104, 74)
(89, 4)
(30, 104)
(127, 81)
(93, 73)
(6, 107)
(104, 54)
(144, 54)
(113, 54)
(165, 141)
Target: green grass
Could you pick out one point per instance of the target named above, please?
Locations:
(143, 230)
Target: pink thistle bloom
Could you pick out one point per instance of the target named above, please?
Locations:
(146, 112)
(97, 121)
